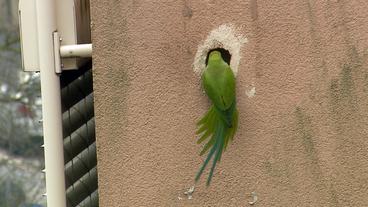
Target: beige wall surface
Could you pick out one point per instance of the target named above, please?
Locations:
(302, 138)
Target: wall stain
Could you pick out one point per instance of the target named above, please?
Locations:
(280, 171)
(334, 96)
(343, 18)
(187, 11)
(318, 55)
(253, 9)
(347, 84)
(256, 30)
(316, 39)
(304, 130)
(364, 70)
(343, 97)
(348, 102)
(365, 89)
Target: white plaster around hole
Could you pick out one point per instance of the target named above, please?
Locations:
(225, 36)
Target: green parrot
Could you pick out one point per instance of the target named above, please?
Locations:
(219, 124)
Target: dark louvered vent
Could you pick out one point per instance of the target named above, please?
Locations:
(79, 137)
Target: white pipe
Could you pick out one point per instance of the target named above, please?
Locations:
(51, 106)
(81, 50)
(57, 61)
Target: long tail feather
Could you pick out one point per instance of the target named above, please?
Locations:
(220, 142)
(217, 127)
(210, 154)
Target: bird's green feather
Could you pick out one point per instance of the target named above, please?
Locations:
(218, 126)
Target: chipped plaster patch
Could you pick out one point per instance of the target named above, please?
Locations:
(225, 36)
(190, 192)
(254, 198)
(252, 92)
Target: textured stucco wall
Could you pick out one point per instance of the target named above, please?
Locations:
(303, 137)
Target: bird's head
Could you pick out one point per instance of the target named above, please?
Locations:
(215, 55)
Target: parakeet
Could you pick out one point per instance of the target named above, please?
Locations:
(219, 124)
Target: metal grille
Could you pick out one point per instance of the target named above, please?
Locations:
(79, 137)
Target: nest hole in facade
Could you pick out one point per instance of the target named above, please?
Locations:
(225, 54)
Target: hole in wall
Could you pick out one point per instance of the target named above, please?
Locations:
(225, 36)
(225, 54)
